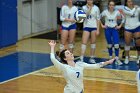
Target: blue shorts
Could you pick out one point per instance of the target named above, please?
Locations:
(89, 29)
(133, 30)
(71, 27)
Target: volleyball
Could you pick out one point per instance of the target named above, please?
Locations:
(80, 16)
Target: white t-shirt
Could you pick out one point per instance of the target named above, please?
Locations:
(111, 18)
(67, 12)
(74, 75)
(91, 20)
(131, 17)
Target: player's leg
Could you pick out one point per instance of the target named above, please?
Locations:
(85, 38)
(64, 38)
(93, 45)
(137, 43)
(71, 39)
(116, 40)
(108, 36)
(128, 38)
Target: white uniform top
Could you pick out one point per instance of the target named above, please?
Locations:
(73, 75)
(67, 12)
(111, 18)
(138, 80)
(91, 20)
(131, 16)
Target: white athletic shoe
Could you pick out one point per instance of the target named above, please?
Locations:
(126, 61)
(91, 60)
(118, 62)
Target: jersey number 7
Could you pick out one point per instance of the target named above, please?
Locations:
(78, 74)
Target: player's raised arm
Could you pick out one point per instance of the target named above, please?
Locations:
(56, 63)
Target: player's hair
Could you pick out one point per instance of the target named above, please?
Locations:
(126, 2)
(111, 1)
(62, 56)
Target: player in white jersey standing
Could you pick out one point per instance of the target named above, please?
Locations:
(111, 29)
(132, 27)
(72, 72)
(90, 28)
(68, 25)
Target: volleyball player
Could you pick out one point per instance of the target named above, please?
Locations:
(68, 25)
(111, 29)
(90, 28)
(72, 72)
(132, 27)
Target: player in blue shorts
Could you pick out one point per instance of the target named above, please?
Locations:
(68, 25)
(132, 27)
(90, 28)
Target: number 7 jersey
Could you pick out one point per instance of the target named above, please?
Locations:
(74, 75)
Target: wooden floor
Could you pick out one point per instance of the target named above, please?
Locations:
(49, 84)
(42, 84)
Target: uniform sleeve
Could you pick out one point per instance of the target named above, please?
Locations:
(62, 18)
(98, 14)
(91, 66)
(129, 12)
(102, 14)
(84, 9)
(56, 63)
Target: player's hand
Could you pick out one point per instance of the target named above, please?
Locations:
(97, 32)
(52, 43)
(111, 61)
(104, 26)
(118, 27)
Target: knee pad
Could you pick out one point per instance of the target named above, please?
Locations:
(109, 46)
(71, 46)
(93, 46)
(127, 48)
(116, 46)
(61, 46)
(83, 47)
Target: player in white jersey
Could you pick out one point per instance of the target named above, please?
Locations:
(68, 25)
(90, 28)
(73, 72)
(111, 29)
(132, 27)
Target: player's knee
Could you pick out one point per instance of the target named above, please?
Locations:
(71, 45)
(61, 47)
(127, 48)
(116, 46)
(109, 46)
(93, 46)
(83, 47)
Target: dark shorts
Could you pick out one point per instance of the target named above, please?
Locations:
(89, 29)
(71, 27)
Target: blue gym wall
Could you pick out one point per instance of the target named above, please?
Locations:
(8, 22)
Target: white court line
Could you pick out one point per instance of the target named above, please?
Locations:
(24, 75)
